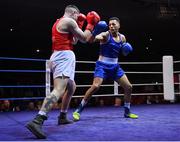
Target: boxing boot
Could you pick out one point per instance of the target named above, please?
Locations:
(62, 119)
(35, 126)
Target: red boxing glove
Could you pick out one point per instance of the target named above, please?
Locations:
(80, 20)
(92, 19)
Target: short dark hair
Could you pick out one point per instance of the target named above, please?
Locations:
(72, 6)
(114, 18)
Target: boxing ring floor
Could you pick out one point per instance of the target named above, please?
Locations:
(157, 122)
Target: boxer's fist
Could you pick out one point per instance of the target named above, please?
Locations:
(99, 28)
(92, 19)
(126, 48)
(80, 20)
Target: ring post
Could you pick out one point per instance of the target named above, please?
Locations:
(48, 78)
(168, 79)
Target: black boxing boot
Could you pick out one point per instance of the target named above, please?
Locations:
(62, 119)
(35, 126)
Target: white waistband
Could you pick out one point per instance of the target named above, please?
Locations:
(108, 60)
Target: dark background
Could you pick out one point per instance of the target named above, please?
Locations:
(153, 32)
(151, 26)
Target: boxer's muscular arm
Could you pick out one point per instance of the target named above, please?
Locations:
(77, 32)
(102, 37)
(123, 38)
(68, 25)
(92, 19)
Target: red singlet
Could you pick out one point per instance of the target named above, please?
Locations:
(61, 41)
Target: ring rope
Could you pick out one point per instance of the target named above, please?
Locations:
(111, 85)
(176, 83)
(81, 96)
(79, 71)
(139, 63)
(104, 85)
(25, 98)
(105, 95)
(22, 86)
(22, 71)
(176, 62)
(30, 59)
(176, 72)
(128, 72)
(144, 72)
(22, 59)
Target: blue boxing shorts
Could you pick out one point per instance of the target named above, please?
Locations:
(108, 71)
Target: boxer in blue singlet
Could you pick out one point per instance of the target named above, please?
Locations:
(112, 43)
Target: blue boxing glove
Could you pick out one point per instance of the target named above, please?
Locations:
(99, 28)
(126, 48)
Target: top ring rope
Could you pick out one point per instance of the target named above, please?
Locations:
(90, 62)
(22, 59)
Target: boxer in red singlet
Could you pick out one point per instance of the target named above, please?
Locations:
(66, 31)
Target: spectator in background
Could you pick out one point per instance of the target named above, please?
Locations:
(5, 106)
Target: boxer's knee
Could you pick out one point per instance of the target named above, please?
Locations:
(95, 86)
(56, 94)
(71, 86)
